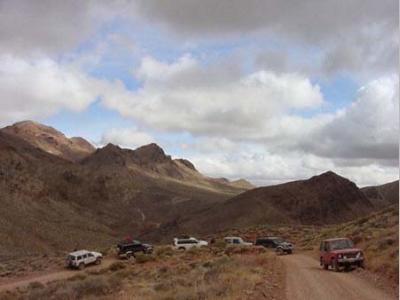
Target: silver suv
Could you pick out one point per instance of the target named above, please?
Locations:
(188, 243)
(80, 259)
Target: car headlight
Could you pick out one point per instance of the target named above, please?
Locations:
(340, 255)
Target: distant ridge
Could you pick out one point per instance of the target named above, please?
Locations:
(323, 199)
(51, 140)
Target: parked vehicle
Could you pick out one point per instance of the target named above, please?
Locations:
(128, 249)
(237, 241)
(280, 245)
(187, 243)
(340, 252)
(80, 259)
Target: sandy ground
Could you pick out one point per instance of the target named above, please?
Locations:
(306, 280)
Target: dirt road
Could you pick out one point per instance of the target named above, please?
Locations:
(49, 276)
(305, 280)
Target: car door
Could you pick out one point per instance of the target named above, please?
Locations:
(90, 258)
(325, 252)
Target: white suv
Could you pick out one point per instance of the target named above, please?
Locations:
(79, 259)
(234, 240)
(185, 244)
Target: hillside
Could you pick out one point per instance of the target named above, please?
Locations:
(51, 140)
(324, 199)
(383, 195)
(51, 203)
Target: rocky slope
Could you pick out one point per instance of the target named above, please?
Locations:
(51, 203)
(383, 195)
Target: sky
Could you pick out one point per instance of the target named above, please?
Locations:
(270, 90)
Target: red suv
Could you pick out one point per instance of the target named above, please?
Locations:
(340, 252)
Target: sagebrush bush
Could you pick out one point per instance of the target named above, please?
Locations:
(115, 266)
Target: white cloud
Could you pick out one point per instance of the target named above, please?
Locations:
(366, 129)
(344, 32)
(126, 137)
(52, 26)
(185, 96)
(262, 167)
(41, 87)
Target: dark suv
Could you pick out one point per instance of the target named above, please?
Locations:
(128, 249)
(280, 245)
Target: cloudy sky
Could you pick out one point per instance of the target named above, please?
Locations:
(266, 90)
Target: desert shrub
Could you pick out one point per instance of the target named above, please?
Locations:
(77, 277)
(244, 250)
(119, 265)
(219, 244)
(164, 251)
(36, 285)
(143, 258)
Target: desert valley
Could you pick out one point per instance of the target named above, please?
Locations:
(60, 193)
(199, 150)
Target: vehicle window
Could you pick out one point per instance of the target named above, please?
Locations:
(90, 255)
(340, 244)
(236, 241)
(71, 257)
(193, 241)
(79, 257)
(185, 242)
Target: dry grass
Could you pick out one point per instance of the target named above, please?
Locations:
(196, 274)
(377, 235)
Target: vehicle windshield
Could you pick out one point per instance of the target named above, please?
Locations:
(71, 257)
(340, 244)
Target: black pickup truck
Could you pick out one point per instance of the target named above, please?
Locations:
(128, 249)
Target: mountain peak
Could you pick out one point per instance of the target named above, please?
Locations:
(328, 175)
(151, 153)
(50, 140)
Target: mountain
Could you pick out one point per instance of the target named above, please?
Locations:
(383, 195)
(242, 183)
(150, 160)
(50, 140)
(324, 199)
(50, 203)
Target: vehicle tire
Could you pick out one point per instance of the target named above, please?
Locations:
(289, 252)
(335, 266)
(181, 248)
(81, 266)
(98, 261)
(128, 256)
(324, 265)
(279, 251)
